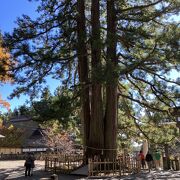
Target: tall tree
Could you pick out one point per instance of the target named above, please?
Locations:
(97, 122)
(83, 68)
(141, 48)
(111, 85)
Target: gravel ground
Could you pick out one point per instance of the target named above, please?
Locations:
(18, 163)
(15, 170)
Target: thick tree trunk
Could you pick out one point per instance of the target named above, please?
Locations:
(97, 123)
(83, 70)
(111, 122)
(111, 88)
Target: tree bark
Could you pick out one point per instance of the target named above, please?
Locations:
(111, 87)
(83, 70)
(97, 124)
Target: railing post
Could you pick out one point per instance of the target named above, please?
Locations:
(45, 164)
(55, 160)
(119, 160)
(54, 177)
(177, 163)
(90, 167)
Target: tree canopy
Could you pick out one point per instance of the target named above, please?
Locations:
(102, 50)
(147, 48)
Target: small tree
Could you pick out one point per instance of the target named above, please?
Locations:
(14, 137)
(57, 138)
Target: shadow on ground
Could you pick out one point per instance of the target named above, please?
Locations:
(18, 173)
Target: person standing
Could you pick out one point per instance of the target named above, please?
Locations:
(149, 160)
(28, 165)
(32, 164)
(142, 159)
(157, 157)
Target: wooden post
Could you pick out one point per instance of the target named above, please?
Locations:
(166, 163)
(51, 167)
(54, 177)
(119, 167)
(177, 163)
(113, 166)
(105, 166)
(99, 165)
(116, 166)
(55, 160)
(45, 164)
(166, 159)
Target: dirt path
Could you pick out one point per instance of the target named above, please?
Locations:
(15, 170)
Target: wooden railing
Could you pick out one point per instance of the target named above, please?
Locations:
(117, 167)
(63, 163)
(175, 164)
(171, 163)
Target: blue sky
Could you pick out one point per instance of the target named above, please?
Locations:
(9, 11)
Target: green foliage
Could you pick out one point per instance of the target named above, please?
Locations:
(61, 107)
(147, 49)
(147, 53)
(158, 128)
(13, 137)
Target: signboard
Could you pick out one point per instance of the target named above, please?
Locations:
(34, 149)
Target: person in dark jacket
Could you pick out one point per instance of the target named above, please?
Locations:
(28, 165)
(149, 160)
(32, 164)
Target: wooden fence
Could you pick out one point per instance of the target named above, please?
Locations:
(118, 167)
(63, 163)
(171, 163)
(175, 164)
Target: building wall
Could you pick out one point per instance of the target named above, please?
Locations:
(8, 150)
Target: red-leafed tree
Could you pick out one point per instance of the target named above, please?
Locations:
(5, 76)
(54, 136)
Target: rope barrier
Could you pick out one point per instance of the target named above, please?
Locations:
(100, 149)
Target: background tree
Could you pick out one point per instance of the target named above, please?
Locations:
(62, 107)
(13, 137)
(57, 138)
(5, 75)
